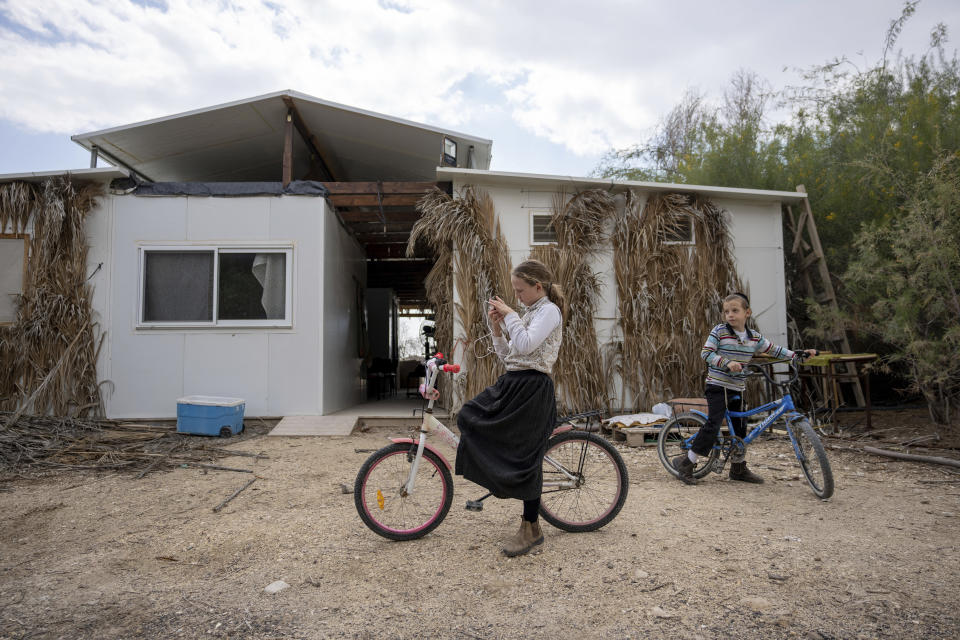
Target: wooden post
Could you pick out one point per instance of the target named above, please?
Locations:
(288, 149)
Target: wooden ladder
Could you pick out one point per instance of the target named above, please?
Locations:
(815, 278)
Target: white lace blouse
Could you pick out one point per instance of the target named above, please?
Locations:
(534, 338)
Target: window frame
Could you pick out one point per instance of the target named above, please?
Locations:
(217, 248)
(26, 265)
(533, 241)
(693, 233)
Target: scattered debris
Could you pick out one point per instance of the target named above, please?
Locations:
(217, 508)
(62, 443)
(757, 603)
(660, 612)
(909, 456)
(275, 587)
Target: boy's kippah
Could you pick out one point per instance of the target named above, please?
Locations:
(742, 295)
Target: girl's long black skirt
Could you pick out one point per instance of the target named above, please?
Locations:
(504, 432)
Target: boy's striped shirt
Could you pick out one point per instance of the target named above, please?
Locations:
(723, 347)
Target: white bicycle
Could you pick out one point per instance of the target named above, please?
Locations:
(404, 490)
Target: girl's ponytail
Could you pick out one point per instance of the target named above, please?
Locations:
(555, 293)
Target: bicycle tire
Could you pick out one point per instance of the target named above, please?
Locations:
(813, 459)
(382, 478)
(602, 488)
(674, 439)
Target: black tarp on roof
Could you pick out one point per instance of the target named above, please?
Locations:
(219, 189)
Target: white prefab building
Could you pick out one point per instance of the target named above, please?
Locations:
(171, 331)
(754, 218)
(258, 291)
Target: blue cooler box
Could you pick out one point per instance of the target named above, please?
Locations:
(210, 415)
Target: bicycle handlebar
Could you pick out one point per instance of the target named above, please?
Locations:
(761, 368)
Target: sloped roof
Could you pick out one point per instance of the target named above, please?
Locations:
(578, 183)
(243, 140)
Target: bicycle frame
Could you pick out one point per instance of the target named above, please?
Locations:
(431, 425)
(784, 407)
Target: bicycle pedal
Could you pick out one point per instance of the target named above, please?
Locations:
(474, 505)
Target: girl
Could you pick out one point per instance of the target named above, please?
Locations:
(728, 348)
(504, 430)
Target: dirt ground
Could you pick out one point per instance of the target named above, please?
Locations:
(111, 556)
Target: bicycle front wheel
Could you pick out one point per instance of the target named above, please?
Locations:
(381, 497)
(584, 482)
(675, 439)
(813, 458)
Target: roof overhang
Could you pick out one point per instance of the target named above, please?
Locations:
(100, 174)
(578, 184)
(244, 141)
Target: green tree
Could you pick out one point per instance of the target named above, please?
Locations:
(905, 281)
(876, 148)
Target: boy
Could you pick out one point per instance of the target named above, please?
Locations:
(728, 348)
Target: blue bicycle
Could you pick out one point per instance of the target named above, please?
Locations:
(677, 435)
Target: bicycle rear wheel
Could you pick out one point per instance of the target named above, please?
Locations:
(381, 498)
(596, 477)
(675, 439)
(812, 458)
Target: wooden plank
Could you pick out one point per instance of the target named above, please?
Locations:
(382, 250)
(389, 236)
(808, 261)
(798, 231)
(401, 200)
(376, 225)
(386, 188)
(330, 425)
(407, 217)
(309, 138)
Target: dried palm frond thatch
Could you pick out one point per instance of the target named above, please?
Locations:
(17, 201)
(668, 294)
(580, 224)
(30, 443)
(50, 352)
(464, 234)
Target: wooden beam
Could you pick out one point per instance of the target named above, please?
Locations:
(378, 227)
(383, 251)
(386, 188)
(308, 137)
(399, 237)
(394, 215)
(288, 149)
(402, 200)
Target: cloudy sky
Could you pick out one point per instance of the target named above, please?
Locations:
(553, 83)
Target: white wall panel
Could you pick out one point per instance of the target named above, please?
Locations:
(147, 374)
(344, 263)
(229, 218)
(227, 364)
(277, 371)
(98, 228)
(294, 368)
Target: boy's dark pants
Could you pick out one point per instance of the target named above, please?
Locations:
(719, 399)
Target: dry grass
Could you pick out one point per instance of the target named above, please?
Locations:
(579, 222)
(50, 352)
(464, 234)
(668, 296)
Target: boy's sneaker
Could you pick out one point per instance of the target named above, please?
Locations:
(684, 467)
(739, 471)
